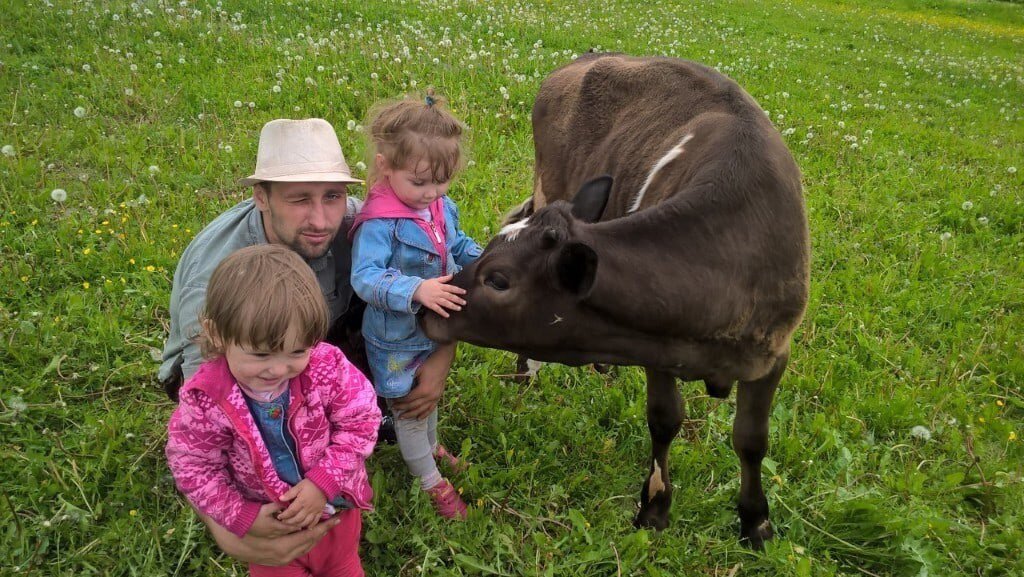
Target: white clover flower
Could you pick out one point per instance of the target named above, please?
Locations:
(153, 169)
(238, 104)
(967, 205)
(80, 112)
(8, 150)
(59, 195)
(360, 165)
(920, 432)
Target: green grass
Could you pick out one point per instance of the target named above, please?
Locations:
(907, 121)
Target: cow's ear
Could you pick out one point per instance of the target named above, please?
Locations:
(590, 200)
(577, 268)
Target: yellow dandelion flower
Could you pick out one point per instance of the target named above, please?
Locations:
(1013, 436)
(98, 231)
(123, 281)
(131, 261)
(150, 268)
(85, 285)
(133, 512)
(34, 222)
(105, 223)
(87, 251)
(981, 419)
(174, 225)
(24, 278)
(999, 403)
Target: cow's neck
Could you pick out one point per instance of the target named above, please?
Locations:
(634, 263)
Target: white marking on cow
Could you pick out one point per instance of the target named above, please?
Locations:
(655, 485)
(557, 320)
(511, 231)
(669, 157)
(532, 367)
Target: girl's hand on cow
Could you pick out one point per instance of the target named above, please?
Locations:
(307, 504)
(437, 295)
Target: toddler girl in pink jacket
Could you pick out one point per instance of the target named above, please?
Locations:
(275, 415)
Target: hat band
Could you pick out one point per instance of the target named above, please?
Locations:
(302, 168)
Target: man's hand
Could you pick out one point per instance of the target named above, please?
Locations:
(274, 552)
(437, 295)
(423, 399)
(307, 504)
(267, 524)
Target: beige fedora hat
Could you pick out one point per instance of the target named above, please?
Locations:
(299, 151)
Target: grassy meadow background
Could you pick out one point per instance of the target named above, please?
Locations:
(896, 434)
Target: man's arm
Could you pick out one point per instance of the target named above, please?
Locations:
(274, 552)
(423, 399)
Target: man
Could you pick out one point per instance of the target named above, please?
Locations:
(299, 200)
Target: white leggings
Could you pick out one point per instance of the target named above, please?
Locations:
(417, 440)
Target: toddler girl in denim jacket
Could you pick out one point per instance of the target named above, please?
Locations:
(407, 246)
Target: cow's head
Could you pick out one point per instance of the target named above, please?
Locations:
(528, 292)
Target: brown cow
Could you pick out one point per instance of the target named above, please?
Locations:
(691, 260)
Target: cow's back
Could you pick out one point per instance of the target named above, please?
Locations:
(691, 142)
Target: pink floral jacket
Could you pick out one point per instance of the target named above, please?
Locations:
(219, 459)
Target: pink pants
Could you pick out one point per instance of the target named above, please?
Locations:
(336, 555)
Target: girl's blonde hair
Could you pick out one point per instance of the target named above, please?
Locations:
(417, 128)
(256, 295)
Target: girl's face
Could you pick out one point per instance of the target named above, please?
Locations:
(265, 371)
(414, 185)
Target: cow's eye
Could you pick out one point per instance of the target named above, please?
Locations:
(496, 281)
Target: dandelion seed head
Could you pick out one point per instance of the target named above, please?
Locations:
(238, 104)
(59, 195)
(967, 205)
(921, 432)
(80, 112)
(153, 169)
(360, 165)
(8, 150)
(946, 236)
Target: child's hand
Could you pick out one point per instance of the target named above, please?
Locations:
(267, 524)
(307, 504)
(436, 294)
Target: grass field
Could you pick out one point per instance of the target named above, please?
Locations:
(896, 435)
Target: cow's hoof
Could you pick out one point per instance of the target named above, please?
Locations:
(755, 535)
(651, 519)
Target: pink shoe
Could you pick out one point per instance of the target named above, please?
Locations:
(447, 500)
(454, 464)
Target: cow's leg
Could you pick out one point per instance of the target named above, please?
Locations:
(664, 418)
(750, 440)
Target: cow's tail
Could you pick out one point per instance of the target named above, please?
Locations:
(521, 212)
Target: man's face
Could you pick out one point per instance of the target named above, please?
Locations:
(304, 216)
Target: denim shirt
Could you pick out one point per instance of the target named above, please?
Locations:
(390, 258)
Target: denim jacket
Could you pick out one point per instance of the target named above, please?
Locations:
(390, 258)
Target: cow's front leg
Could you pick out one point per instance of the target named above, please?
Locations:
(664, 418)
(750, 440)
